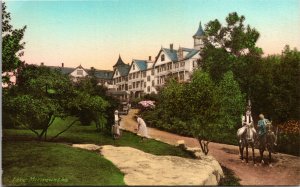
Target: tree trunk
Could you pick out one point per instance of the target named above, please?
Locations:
(203, 145)
(64, 130)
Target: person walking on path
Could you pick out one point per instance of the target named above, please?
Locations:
(142, 128)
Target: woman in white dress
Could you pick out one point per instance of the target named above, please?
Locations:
(142, 128)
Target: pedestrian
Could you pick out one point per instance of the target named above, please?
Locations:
(142, 127)
(116, 126)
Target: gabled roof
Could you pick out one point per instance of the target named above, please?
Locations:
(64, 70)
(199, 32)
(142, 64)
(119, 62)
(172, 54)
(101, 74)
(123, 69)
(192, 53)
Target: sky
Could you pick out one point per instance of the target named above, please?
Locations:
(94, 33)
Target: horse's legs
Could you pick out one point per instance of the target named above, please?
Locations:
(242, 153)
(261, 151)
(270, 158)
(247, 153)
(253, 156)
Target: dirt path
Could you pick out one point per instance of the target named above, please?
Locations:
(285, 170)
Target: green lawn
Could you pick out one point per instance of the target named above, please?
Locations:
(42, 163)
(28, 162)
(88, 134)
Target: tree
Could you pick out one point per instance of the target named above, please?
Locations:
(201, 100)
(43, 95)
(231, 48)
(90, 85)
(12, 45)
(231, 103)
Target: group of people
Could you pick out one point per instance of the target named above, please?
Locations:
(141, 128)
(262, 124)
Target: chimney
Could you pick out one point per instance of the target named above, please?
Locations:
(171, 47)
(42, 63)
(62, 65)
(149, 58)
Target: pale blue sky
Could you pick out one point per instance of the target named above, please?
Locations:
(93, 33)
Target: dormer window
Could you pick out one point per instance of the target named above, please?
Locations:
(162, 57)
(116, 73)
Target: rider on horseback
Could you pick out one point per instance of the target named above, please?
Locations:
(262, 129)
(247, 121)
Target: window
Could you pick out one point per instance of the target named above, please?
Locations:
(137, 74)
(152, 72)
(130, 76)
(148, 78)
(182, 64)
(144, 74)
(130, 86)
(116, 72)
(133, 75)
(157, 81)
(162, 57)
(133, 66)
(133, 84)
(181, 76)
(153, 83)
(79, 72)
(144, 84)
(148, 89)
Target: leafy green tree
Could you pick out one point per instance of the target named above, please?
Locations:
(231, 47)
(201, 100)
(43, 95)
(90, 85)
(12, 45)
(231, 104)
(285, 95)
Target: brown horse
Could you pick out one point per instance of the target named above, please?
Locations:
(267, 142)
(247, 137)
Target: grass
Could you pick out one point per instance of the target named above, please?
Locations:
(42, 163)
(230, 179)
(88, 134)
(28, 162)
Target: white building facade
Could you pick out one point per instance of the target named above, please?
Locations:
(146, 76)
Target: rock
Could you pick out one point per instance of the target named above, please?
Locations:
(91, 147)
(193, 149)
(142, 168)
(180, 142)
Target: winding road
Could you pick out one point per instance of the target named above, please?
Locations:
(285, 170)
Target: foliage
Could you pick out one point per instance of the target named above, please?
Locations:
(201, 108)
(225, 46)
(105, 118)
(12, 44)
(43, 94)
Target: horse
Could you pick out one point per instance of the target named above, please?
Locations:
(267, 142)
(247, 137)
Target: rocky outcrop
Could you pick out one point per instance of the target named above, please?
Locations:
(142, 168)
